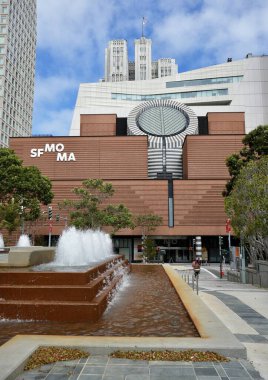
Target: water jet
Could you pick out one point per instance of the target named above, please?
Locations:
(24, 241)
(67, 295)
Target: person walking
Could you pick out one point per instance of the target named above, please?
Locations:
(196, 264)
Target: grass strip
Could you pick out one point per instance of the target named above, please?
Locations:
(47, 355)
(186, 356)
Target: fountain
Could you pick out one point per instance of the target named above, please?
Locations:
(75, 287)
(2, 245)
(77, 248)
(24, 241)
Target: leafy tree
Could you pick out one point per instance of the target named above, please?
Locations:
(149, 248)
(148, 222)
(255, 147)
(247, 207)
(22, 190)
(88, 211)
(118, 216)
(9, 216)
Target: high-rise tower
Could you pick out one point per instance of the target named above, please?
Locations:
(118, 68)
(17, 67)
(116, 61)
(143, 59)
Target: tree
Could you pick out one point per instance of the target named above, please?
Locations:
(22, 190)
(255, 147)
(149, 248)
(247, 207)
(118, 216)
(88, 211)
(148, 222)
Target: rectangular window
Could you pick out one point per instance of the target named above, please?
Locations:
(4, 9)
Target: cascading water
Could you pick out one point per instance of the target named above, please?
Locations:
(1, 241)
(24, 241)
(78, 248)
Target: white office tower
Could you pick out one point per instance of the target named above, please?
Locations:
(143, 59)
(116, 61)
(167, 67)
(17, 67)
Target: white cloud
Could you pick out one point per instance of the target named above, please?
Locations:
(55, 122)
(215, 30)
(54, 89)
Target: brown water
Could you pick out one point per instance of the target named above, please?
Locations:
(146, 305)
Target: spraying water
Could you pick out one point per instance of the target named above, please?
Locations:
(77, 248)
(1, 241)
(24, 241)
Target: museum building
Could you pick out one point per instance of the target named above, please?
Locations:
(163, 147)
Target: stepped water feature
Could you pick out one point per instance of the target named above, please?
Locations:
(65, 295)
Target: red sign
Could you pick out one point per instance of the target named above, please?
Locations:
(228, 225)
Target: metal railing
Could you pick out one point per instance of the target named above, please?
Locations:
(188, 275)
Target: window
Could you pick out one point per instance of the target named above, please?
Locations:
(175, 95)
(4, 9)
(205, 81)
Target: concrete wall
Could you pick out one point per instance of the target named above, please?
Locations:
(258, 276)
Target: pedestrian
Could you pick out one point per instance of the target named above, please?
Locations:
(196, 264)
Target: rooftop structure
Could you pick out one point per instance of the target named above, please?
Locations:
(118, 68)
(234, 86)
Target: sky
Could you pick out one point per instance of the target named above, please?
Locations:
(72, 36)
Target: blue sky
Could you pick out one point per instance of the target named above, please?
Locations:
(72, 36)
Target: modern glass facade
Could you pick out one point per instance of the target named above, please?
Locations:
(174, 95)
(205, 81)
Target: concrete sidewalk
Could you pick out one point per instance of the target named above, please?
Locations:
(242, 308)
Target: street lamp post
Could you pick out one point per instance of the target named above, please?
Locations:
(220, 251)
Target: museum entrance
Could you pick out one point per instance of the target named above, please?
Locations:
(175, 250)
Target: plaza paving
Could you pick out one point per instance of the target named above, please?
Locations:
(242, 308)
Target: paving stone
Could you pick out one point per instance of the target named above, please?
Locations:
(206, 372)
(170, 363)
(232, 364)
(56, 376)
(126, 370)
(172, 371)
(63, 369)
(174, 377)
(203, 364)
(90, 377)
(236, 372)
(96, 370)
(97, 359)
(78, 369)
(137, 377)
(140, 363)
(33, 376)
(220, 370)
